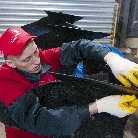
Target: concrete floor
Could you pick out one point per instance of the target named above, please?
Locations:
(131, 128)
(2, 132)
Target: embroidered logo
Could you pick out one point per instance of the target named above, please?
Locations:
(2, 53)
(15, 35)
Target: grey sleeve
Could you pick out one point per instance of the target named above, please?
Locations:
(27, 112)
(75, 51)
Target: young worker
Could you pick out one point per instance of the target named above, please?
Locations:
(27, 67)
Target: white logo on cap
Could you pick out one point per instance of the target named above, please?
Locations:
(2, 53)
(14, 37)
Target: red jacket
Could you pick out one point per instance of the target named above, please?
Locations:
(14, 85)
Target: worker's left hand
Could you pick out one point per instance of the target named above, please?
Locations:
(118, 105)
(124, 70)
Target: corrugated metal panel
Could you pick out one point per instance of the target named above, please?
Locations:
(98, 14)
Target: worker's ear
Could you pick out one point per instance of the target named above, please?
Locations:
(10, 63)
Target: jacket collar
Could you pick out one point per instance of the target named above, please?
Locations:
(34, 77)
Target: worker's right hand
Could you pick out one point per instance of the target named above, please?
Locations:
(118, 105)
(124, 70)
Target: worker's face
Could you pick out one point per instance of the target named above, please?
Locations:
(29, 60)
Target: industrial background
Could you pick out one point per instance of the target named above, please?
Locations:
(117, 17)
(98, 15)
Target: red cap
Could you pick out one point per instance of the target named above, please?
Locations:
(13, 40)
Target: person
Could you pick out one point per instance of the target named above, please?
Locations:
(26, 66)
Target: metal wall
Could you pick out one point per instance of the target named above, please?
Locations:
(98, 14)
(132, 27)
